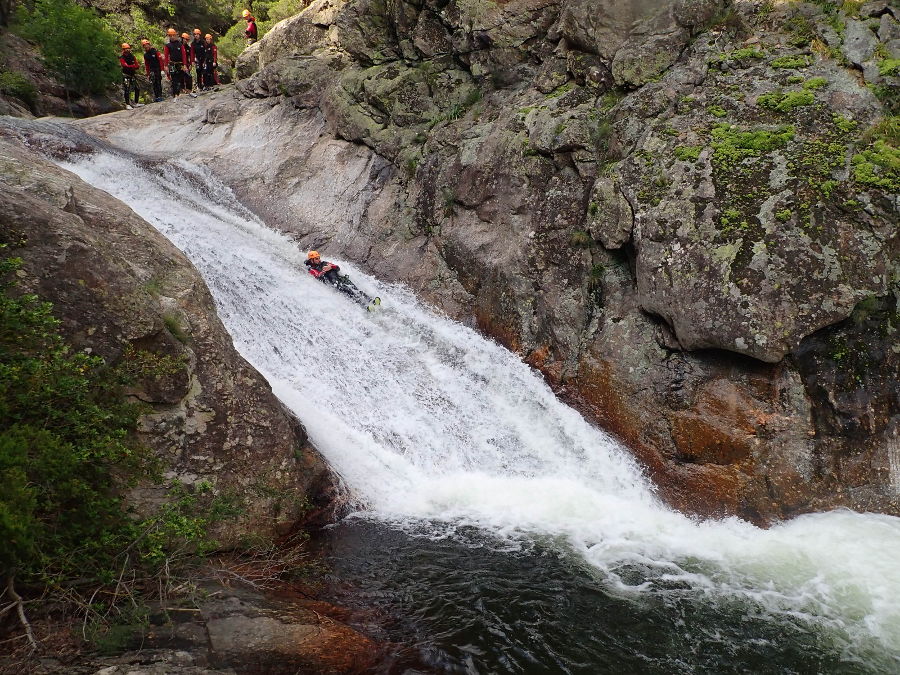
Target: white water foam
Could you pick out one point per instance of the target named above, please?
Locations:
(427, 423)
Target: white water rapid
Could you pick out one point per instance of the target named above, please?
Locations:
(430, 425)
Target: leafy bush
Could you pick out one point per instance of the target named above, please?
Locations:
(65, 448)
(18, 86)
(74, 42)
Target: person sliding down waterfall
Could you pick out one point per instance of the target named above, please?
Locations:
(328, 272)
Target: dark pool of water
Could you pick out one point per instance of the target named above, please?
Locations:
(464, 605)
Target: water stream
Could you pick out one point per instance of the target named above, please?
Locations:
(511, 534)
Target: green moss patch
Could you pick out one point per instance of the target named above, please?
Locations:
(688, 153)
(798, 61)
(878, 166)
(732, 145)
(786, 101)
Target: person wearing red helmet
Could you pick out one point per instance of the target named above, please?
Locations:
(188, 79)
(198, 56)
(153, 66)
(211, 63)
(328, 273)
(130, 66)
(250, 32)
(176, 61)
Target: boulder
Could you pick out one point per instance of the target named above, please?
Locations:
(124, 293)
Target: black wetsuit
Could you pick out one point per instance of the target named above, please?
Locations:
(176, 60)
(130, 67)
(198, 55)
(340, 282)
(153, 67)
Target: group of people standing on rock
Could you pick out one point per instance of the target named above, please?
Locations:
(180, 54)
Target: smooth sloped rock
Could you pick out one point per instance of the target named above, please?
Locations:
(124, 293)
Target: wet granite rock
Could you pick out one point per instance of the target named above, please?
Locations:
(656, 204)
(124, 293)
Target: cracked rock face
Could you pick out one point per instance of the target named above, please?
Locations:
(660, 205)
(124, 293)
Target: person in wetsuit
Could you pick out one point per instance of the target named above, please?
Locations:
(211, 63)
(130, 66)
(176, 61)
(198, 56)
(153, 66)
(188, 52)
(328, 273)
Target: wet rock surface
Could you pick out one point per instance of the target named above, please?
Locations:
(662, 222)
(123, 292)
(236, 630)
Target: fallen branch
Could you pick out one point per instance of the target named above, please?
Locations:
(20, 608)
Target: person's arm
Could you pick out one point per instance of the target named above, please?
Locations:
(134, 66)
(147, 66)
(122, 62)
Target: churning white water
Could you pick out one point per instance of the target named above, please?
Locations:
(432, 426)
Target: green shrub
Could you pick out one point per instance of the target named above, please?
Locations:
(18, 86)
(581, 239)
(717, 111)
(889, 67)
(65, 448)
(75, 43)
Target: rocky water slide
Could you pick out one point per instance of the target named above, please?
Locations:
(617, 195)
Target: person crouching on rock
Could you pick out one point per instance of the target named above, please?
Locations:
(175, 57)
(130, 66)
(250, 32)
(211, 63)
(153, 66)
(328, 272)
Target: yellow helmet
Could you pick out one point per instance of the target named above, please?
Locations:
(186, 36)
(125, 45)
(145, 41)
(245, 13)
(312, 255)
(197, 31)
(208, 36)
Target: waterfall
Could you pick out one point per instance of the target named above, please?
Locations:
(431, 426)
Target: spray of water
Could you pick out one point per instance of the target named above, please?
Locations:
(431, 426)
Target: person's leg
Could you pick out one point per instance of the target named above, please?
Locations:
(125, 89)
(156, 78)
(137, 92)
